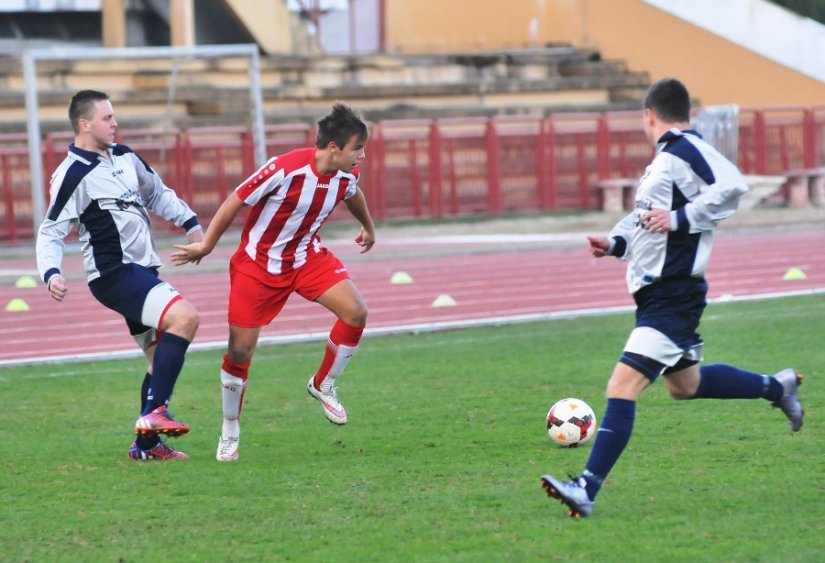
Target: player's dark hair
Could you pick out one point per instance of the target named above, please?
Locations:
(670, 100)
(82, 106)
(339, 126)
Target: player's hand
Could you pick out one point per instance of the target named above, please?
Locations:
(365, 239)
(598, 246)
(656, 221)
(58, 287)
(185, 253)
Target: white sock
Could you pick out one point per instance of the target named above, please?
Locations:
(231, 390)
(342, 357)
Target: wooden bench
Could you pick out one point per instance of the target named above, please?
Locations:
(805, 187)
(617, 193)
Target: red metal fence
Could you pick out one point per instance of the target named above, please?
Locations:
(434, 168)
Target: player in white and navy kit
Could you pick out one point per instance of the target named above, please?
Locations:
(280, 253)
(106, 190)
(686, 190)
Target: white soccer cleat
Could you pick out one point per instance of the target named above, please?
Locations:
(227, 448)
(332, 407)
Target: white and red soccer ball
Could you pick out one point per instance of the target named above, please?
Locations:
(571, 422)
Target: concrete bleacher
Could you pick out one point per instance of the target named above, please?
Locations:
(299, 88)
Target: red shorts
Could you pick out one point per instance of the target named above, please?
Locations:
(254, 302)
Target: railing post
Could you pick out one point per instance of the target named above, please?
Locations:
(543, 181)
(603, 148)
(493, 169)
(8, 196)
(584, 185)
(809, 138)
(380, 174)
(760, 142)
(553, 167)
(415, 178)
(435, 171)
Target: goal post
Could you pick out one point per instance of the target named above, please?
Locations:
(31, 58)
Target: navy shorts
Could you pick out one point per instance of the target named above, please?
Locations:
(667, 319)
(136, 293)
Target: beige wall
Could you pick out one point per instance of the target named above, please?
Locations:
(415, 26)
(268, 22)
(715, 70)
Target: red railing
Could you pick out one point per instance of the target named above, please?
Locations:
(433, 168)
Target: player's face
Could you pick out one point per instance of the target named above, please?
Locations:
(350, 155)
(102, 126)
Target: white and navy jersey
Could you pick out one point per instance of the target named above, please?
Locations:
(290, 201)
(700, 187)
(108, 201)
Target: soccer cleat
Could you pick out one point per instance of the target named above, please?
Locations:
(160, 451)
(570, 493)
(332, 407)
(790, 379)
(160, 421)
(227, 448)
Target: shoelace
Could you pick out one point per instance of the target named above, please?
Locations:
(331, 391)
(226, 444)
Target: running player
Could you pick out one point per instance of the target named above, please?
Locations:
(280, 252)
(686, 190)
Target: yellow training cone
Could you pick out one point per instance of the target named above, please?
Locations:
(17, 305)
(795, 274)
(25, 282)
(401, 277)
(444, 300)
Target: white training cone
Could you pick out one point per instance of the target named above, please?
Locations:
(400, 278)
(444, 300)
(25, 282)
(795, 274)
(17, 305)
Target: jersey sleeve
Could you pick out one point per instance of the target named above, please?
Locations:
(715, 202)
(60, 218)
(263, 181)
(620, 236)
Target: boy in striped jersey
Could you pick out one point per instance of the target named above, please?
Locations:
(686, 190)
(280, 252)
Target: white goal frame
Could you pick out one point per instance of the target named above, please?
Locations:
(33, 56)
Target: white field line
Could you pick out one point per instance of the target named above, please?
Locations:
(391, 330)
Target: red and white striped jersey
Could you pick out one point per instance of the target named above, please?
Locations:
(290, 200)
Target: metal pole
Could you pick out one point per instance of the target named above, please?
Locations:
(35, 154)
(257, 109)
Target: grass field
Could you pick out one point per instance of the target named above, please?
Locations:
(440, 461)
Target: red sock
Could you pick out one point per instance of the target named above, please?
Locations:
(341, 334)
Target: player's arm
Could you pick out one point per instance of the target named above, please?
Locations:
(223, 218)
(717, 202)
(49, 247)
(357, 205)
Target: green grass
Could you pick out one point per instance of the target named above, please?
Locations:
(440, 461)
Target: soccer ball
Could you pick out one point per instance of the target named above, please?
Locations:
(571, 422)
